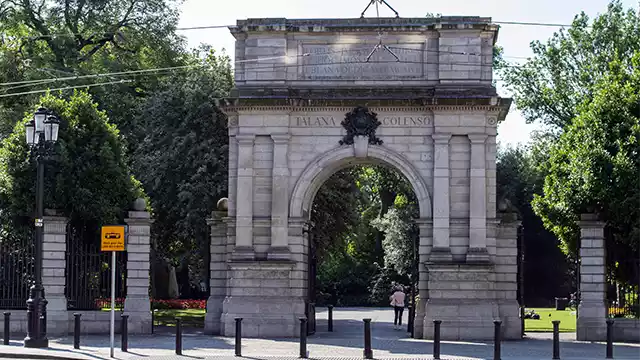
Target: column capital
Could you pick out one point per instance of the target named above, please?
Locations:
(441, 138)
(138, 218)
(245, 139)
(478, 138)
(280, 138)
(590, 220)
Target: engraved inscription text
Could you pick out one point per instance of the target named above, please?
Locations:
(348, 61)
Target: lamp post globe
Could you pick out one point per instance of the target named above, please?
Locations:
(41, 134)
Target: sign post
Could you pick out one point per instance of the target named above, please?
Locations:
(113, 240)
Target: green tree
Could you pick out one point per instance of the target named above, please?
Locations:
(46, 39)
(595, 163)
(183, 161)
(550, 86)
(546, 271)
(89, 181)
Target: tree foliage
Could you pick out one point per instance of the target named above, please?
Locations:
(550, 86)
(182, 160)
(546, 270)
(363, 218)
(60, 39)
(89, 181)
(595, 163)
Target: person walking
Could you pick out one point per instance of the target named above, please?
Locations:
(397, 301)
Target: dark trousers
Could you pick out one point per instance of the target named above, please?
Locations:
(397, 320)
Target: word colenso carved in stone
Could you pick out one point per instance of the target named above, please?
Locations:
(361, 122)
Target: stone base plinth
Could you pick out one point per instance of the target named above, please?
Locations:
(464, 297)
(591, 323)
(212, 320)
(57, 317)
(462, 319)
(591, 329)
(268, 295)
(139, 311)
(510, 316)
(262, 323)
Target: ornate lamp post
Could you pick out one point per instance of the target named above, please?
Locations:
(42, 133)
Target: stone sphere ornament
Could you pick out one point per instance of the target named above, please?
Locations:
(223, 204)
(139, 204)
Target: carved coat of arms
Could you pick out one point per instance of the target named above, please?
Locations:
(361, 122)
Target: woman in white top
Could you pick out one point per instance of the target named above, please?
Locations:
(397, 301)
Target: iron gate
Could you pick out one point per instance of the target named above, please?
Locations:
(16, 266)
(88, 271)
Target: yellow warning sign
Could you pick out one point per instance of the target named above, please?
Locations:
(112, 238)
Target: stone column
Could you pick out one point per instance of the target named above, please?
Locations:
(244, 198)
(280, 199)
(478, 200)
(54, 247)
(218, 272)
(424, 250)
(441, 247)
(592, 310)
(137, 302)
(506, 261)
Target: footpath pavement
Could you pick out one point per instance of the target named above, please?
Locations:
(346, 342)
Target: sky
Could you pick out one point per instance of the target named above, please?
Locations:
(514, 38)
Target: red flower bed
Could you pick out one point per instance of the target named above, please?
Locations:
(158, 304)
(178, 304)
(106, 303)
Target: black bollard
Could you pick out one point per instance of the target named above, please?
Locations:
(178, 337)
(238, 336)
(556, 339)
(7, 328)
(368, 353)
(330, 317)
(436, 339)
(497, 338)
(124, 333)
(153, 320)
(76, 330)
(303, 338)
(609, 339)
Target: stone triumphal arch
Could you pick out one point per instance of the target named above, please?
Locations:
(308, 103)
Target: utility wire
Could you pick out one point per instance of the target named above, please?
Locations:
(66, 88)
(211, 27)
(268, 67)
(263, 69)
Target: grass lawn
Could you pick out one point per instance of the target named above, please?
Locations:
(189, 317)
(567, 320)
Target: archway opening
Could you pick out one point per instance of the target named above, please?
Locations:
(363, 243)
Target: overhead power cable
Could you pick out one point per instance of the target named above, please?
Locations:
(212, 27)
(258, 60)
(66, 88)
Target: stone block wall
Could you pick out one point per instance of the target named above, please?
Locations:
(137, 303)
(218, 272)
(96, 322)
(626, 330)
(592, 310)
(53, 273)
(506, 272)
